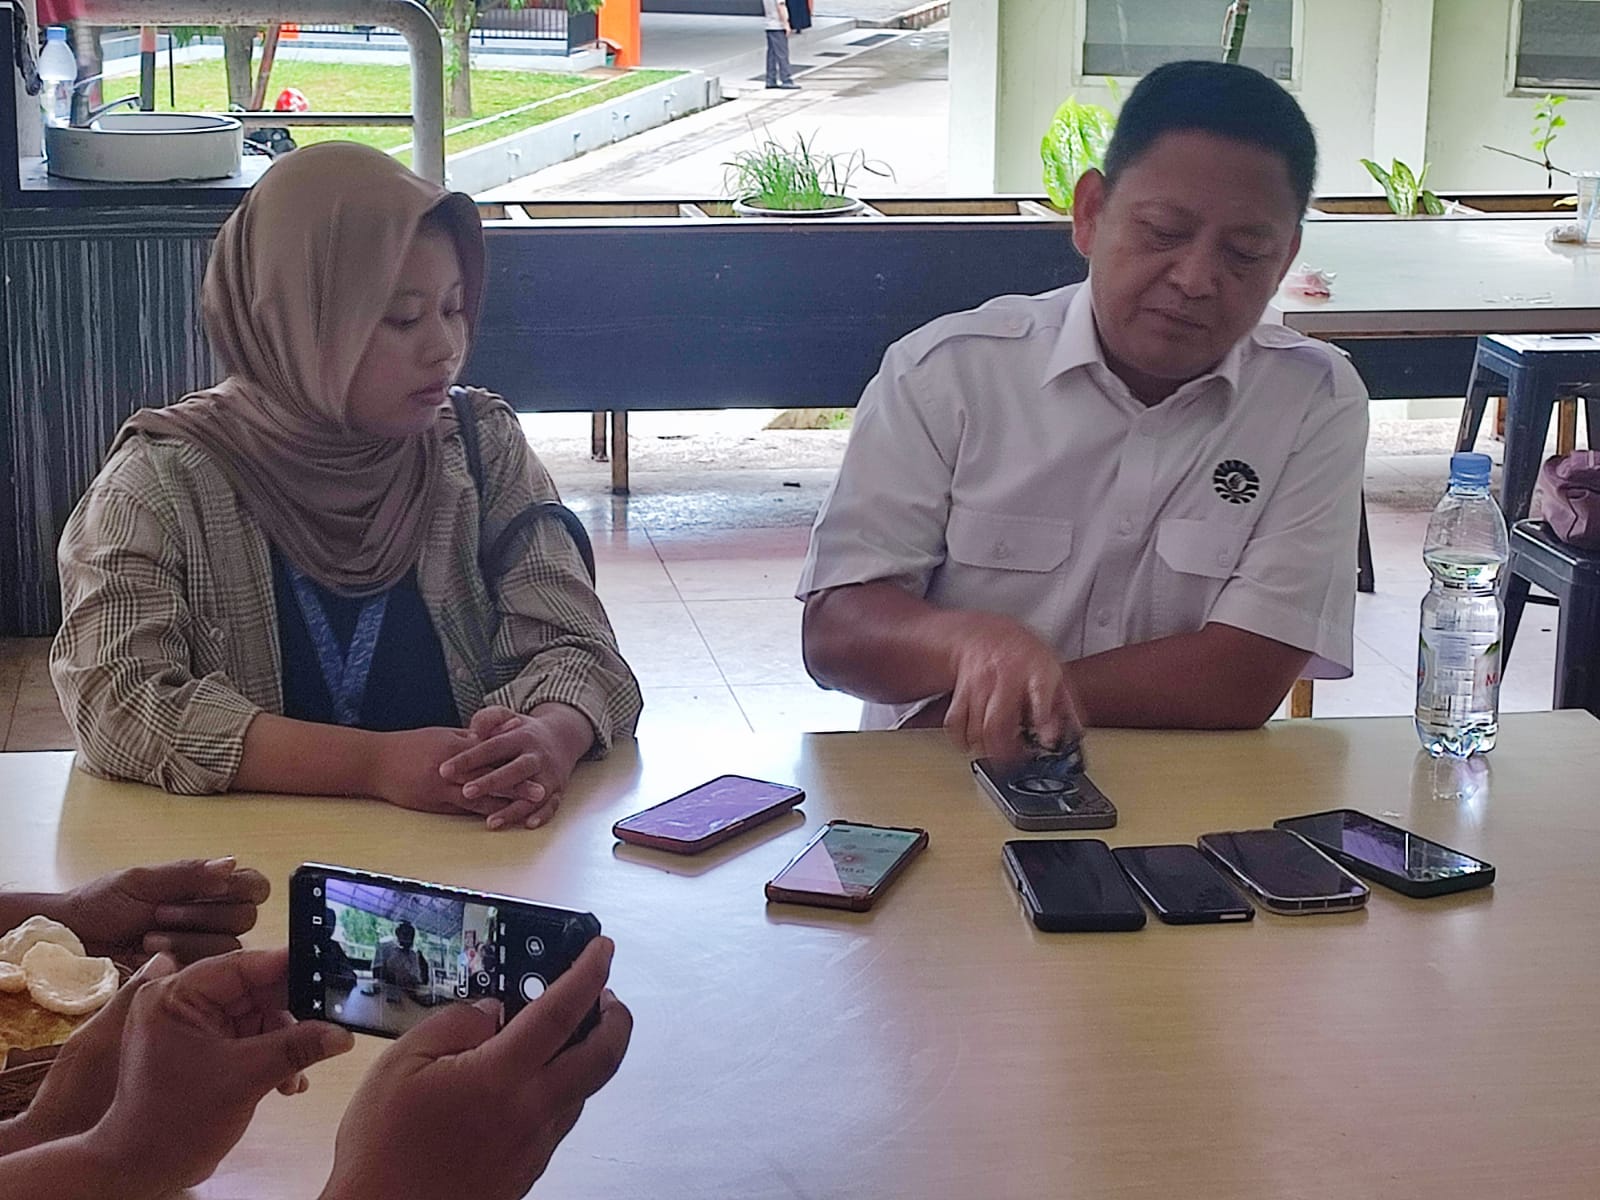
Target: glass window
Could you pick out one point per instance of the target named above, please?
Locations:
(1131, 37)
(1558, 44)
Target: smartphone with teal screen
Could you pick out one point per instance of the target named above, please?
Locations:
(847, 865)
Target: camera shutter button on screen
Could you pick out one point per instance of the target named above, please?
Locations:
(532, 986)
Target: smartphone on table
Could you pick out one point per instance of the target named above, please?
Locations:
(1182, 886)
(704, 816)
(1045, 792)
(1390, 855)
(378, 953)
(847, 865)
(1072, 885)
(1285, 872)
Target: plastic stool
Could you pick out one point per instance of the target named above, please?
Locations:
(1535, 371)
(1572, 576)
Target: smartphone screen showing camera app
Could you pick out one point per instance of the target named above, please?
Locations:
(378, 954)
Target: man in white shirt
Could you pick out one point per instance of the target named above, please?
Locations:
(778, 73)
(1125, 502)
(396, 965)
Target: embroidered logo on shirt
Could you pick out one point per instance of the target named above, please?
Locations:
(1235, 481)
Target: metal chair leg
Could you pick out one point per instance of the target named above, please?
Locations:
(1480, 385)
(1531, 400)
(1366, 580)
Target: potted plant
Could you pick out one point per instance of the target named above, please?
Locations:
(777, 180)
(1075, 141)
(1403, 189)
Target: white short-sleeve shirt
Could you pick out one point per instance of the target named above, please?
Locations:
(997, 463)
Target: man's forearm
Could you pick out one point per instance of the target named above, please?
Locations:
(1217, 678)
(879, 642)
(305, 758)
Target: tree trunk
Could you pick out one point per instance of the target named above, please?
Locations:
(238, 49)
(462, 14)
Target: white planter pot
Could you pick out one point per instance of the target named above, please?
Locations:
(847, 207)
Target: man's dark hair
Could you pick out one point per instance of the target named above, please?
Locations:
(405, 927)
(1224, 99)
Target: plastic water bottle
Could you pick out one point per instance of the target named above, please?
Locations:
(1458, 655)
(58, 70)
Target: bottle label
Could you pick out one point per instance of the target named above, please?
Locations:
(1446, 661)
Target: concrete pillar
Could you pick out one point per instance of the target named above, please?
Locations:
(974, 95)
(1404, 76)
(1038, 47)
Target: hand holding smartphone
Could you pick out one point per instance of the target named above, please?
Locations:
(847, 865)
(377, 953)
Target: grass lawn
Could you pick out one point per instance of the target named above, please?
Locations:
(367, 87)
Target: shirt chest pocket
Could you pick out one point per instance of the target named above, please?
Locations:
(1191, 546)
(1006, 542)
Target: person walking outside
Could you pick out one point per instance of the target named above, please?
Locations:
(778, 30)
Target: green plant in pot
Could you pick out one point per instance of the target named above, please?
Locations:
(778, 180)
(1075, 140)
(1403, 188)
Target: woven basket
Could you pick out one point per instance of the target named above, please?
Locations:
(19, 1082)
(25, 1071)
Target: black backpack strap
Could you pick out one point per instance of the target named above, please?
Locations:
(489, 559)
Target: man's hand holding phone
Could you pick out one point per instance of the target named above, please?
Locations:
(459, 1106)
(1008, 684)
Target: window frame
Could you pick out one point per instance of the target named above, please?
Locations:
(1297, 33)
(1514, 87)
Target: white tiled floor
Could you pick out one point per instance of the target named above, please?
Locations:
(704, 613)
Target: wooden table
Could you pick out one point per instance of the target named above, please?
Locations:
(940, 1047)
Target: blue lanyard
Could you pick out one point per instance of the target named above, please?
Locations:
(345, 674)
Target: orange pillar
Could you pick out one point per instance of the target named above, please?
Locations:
(619, 25)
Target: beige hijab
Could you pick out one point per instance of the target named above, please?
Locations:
(299, 278)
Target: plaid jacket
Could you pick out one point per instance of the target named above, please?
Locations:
(169, 639)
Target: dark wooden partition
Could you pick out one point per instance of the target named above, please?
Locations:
(710, 315)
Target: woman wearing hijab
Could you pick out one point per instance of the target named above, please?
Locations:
(274, 585)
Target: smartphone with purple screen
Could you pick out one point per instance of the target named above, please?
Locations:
(711, 813)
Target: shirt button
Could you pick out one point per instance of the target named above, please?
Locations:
(1224, 559)
(1001, 550)
(1103, 617)
(1125, 528)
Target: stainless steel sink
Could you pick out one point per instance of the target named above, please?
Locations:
(140, 147)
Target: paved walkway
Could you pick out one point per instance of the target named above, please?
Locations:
(864, 11)
(717, 45)
(889, 100)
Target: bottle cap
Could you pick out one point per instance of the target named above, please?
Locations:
(1470, 470)
(55, 33)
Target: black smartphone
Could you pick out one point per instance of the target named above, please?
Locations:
(1182, 886)
(702, 817)
(1045, 792)
(1285, 872)
(847, 865)
(377, 953)
(1390, 855)
(1072, 885)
